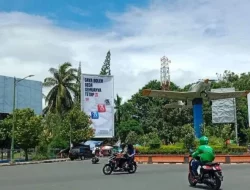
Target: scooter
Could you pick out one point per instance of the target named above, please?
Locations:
(210, 175)
(112, 166)
(95, 160)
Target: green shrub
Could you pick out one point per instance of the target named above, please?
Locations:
(215, 141)
(40, 157)
(178, 149)
(219, 149)
(170, 149)
(58, 142)
(234, 149)
(154, 141)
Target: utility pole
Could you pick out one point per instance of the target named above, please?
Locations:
(235, 122)
(70, 136)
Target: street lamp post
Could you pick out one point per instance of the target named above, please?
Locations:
(14, 116)
(70, 136)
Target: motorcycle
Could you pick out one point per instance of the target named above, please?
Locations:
(95, 160)
(210, 175)
(113, 167)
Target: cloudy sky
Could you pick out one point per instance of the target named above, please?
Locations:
(200, 37)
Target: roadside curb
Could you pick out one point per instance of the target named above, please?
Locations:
(172, 163)
(34, 162)
(161, 158)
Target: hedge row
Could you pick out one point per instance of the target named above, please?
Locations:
(172, 149)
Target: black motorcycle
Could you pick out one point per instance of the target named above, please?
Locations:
(210, 175)
(112, 166)
(95, 160)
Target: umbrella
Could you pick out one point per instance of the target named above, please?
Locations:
(107, 147)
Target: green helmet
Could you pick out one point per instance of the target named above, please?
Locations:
(203, 140)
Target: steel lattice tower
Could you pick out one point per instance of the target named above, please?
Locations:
(165, 75)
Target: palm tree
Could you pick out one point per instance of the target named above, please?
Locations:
(59, 99)
(77, 97)
(118, 103)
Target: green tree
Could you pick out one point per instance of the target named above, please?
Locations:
(154, 140)
(77, 124)
(52, 124)
(118, 103)
(105, 70)
(78, 85)
(187, 133)
(152, 116)
(5, 131)
(246, 132)
(59, 98)
(132, 138)
(226, 133)
(28, 129)
(5, 140)
(58, 142)
(127, 126)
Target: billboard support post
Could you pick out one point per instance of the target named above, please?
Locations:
(14, 116)
(235, 122)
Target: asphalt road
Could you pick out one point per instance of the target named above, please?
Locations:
(82, 175)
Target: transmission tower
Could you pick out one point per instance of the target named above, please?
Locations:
(165, 75)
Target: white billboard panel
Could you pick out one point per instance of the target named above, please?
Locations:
(28, 95)
(248, 102)
(224, 110)
(97, 101)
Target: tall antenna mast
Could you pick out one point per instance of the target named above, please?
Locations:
(165, 75)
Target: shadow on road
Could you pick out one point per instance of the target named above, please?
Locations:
(123, 173)
(201, 187)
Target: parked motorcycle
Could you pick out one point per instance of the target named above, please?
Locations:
(210, 175)
(112, 166)
(95, 160)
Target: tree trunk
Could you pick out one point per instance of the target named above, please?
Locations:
(26, 154)
(8, 154)
(2, 154)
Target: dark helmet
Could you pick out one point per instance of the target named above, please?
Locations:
(130, 146)
(123, 145)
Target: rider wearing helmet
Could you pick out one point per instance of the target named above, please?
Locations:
(205, 153)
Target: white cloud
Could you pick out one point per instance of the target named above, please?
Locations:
(200, 37)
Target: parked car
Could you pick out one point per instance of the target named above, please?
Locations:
(81, 151)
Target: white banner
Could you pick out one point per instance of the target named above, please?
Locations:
(248, 102)
(97, 101)
(224, 110)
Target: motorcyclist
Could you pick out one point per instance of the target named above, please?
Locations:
(124, 148)
(130, 153)
(202, 155)
(97, 151)
(121, 160)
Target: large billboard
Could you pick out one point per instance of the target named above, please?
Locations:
(224, 110)
(97, 101)
(28, 95)
(248, 102)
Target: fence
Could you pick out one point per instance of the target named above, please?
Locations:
(19, 154)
